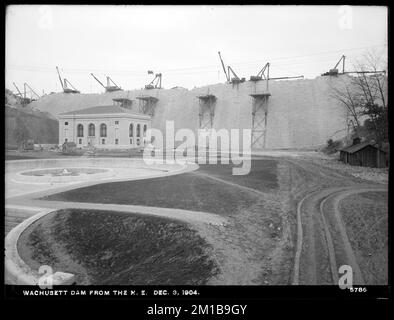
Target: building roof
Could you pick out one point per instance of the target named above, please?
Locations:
(357, 147)
(99, 110)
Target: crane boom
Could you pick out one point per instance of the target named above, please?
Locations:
(17, 89)
(98, 80)
(60, 78)
(282, 78)
(224, 68)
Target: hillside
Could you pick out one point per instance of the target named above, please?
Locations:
(23, 123)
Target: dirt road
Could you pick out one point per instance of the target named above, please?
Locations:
(322, 242)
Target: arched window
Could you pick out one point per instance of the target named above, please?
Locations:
(80, 130)
(145, 128)
(131, 130)
(103, 130)
(138, 130)
(92, 130)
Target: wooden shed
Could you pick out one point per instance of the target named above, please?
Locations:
(365, 155)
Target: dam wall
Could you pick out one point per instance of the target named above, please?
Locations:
(301, 114)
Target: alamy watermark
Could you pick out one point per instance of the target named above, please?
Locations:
(207, 146)
(346, 280)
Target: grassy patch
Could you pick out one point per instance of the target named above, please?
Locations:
(262, 175)
(187, 191)
(366, 219)
(118, 248)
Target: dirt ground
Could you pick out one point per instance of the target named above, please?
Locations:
(366, 219)
(258, 234)
(378, 175)
(260, 243)
(106, 247)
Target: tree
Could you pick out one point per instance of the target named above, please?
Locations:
(364, 96)
(351, 102)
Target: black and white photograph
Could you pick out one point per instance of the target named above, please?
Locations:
(194, 147)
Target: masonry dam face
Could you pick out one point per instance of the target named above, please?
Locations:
(290, 114)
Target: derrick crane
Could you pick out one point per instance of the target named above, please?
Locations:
(235, 78)
(113, 87)
(109, 87)
(24, 99)
(157, 78)
(262, 74)
(260, 106)
(65, 84)
(334, 71)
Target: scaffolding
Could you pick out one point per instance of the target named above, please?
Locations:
(206, 111)
(123, 102)
(259, 119)
(147, 104)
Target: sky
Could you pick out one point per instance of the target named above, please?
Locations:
(182, 43)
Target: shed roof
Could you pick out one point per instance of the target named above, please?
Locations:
(99, 110)
(357, 147)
